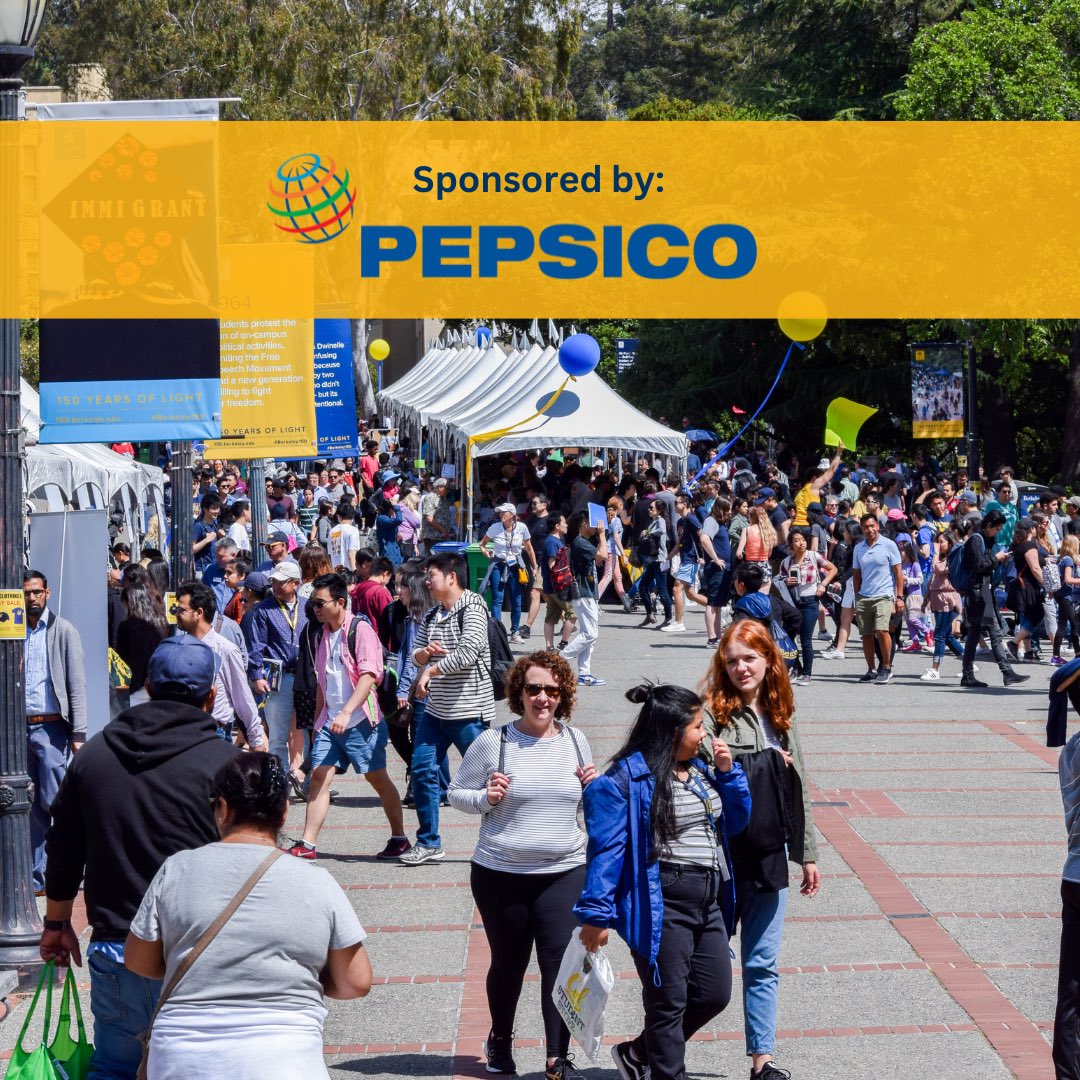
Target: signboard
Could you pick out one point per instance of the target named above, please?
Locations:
(937, 389)
(267, 365)
(335, 392)
(626, 350)
(12, 615)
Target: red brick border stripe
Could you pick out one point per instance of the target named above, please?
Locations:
(1013, 1036)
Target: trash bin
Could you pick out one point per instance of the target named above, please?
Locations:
(479, 564)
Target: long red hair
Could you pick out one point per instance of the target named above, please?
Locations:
(775, 697)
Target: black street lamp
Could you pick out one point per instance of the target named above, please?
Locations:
(20, 926)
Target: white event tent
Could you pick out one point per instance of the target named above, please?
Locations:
(83, 476)
(462, 394)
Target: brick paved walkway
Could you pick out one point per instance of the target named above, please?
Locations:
(934, 938)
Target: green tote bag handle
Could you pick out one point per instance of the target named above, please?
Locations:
(71, 1057)
(37, 1064)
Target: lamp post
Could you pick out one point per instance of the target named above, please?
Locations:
(20, 926)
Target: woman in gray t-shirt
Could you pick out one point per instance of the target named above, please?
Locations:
(252, 1003)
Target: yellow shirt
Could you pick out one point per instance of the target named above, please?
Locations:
(803, 499)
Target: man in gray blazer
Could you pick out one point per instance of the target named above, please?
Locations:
(55, 707)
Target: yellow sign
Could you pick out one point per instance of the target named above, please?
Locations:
(12, 615)
(170, 608)
(843, 419)
(672, 220)
(267, 365)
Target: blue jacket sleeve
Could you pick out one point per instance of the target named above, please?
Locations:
(406, 664)
(734, 798)
(1057, 715)
(256, 644)
(605, 807)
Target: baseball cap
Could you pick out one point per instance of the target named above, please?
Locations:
(765, 493)
(506, 508)
(1026, 523)
(815, 506)
(968, 496)
(823, 464)
(896, 515)
(286, 570)
(278, 481)
(182, 665)
(257, 581)
(276, 538)
(1074, 500)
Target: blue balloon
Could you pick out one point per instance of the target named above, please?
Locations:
(579, 354)
(483, 336)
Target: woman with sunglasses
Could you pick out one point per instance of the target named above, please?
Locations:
(525, 780)
(659, 873)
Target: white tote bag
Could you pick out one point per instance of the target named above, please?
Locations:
(581, 992)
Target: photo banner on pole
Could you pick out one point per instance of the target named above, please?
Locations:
(937, 389)
(267, 365)
(335, 392)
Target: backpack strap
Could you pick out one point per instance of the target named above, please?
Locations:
(566, 727)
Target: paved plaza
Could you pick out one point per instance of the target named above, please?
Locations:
(931, 949)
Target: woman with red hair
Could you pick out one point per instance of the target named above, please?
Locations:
(750, 704)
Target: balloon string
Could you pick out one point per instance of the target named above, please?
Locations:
(500, 432)
(731, 442)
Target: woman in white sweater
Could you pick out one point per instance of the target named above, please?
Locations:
(528, 869)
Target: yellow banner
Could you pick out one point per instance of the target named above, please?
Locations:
(267, 365)
(874, 220)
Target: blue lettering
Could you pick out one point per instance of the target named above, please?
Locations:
(705, 251)
(491, 254)
(564, 242)
(637, 252)
(613, 251)
(423, 176)
(437, 248)
(401, 247)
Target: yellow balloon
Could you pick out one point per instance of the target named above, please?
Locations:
(379, 349)
(802, 316)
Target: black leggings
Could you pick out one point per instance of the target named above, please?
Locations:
(1067, 614)
(519, 910)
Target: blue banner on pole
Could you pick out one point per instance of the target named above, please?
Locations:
(335, 392)
(626, 354)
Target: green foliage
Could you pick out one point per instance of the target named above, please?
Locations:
(665, 108)
(328, 59)
(29, 352)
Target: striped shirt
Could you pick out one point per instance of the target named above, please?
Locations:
(534, 829)
(695, 838)
(462, 690)
(1069, 771)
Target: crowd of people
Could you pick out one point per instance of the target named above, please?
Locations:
(354, 630)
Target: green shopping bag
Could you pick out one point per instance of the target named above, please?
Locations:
(37, 1064)
(71, 1057)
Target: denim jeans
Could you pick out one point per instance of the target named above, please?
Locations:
(760, 930)
(121, 1002)
(278, 711)
(46, 762)
(808, 610)
(432, 740)
(943, 635)
(652, 577)
(505, 577)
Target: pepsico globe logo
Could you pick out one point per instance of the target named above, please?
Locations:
(312, 202)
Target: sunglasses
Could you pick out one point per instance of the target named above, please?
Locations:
(535, 689)
(320, 604)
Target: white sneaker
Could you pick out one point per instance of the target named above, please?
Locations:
(824, 635)
(974, 669)
(831, 654)
(930, 675)
(674, 628)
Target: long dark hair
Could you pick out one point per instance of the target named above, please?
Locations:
(666, 712)
(142, 599)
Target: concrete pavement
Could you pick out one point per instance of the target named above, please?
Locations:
(931, 948)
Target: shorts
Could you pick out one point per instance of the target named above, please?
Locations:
(687, 572)
(849, 594)
(558, 609)
(717, 585)
(362, 746)
(874, 614)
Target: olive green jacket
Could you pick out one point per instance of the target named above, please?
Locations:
(744, 735)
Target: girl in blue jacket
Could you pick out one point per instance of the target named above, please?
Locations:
(659, 872)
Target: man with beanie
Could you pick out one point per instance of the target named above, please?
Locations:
(134, 795)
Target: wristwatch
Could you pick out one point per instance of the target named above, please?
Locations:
(57, 924)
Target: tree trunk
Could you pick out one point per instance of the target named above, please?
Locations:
(1070, 463)
(997, 423)
(365, 394)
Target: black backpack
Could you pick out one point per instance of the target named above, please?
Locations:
(502, 659)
